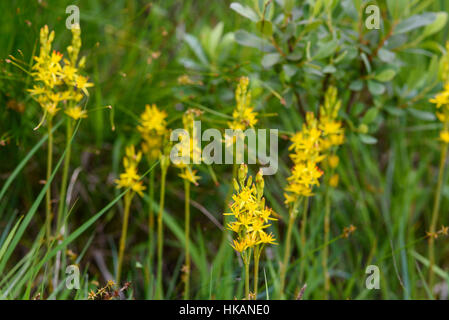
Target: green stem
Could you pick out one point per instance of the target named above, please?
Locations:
(62, 198)
(160, 235)
(150, 231)
(247, 262)
(284, 266)
(65, 173)
(187, 240)
(326, 241)
(303, 239)
(48, 216)
(257, 252)
(128, 198)
(436, 209)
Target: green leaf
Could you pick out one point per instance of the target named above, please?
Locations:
(195, 45)
(244, 11)
(370, 115)
(437, 25)
(386, 55)
(327, 49)
(376, 88)
(396, 7)
(251, 40)
(385, 75)
(214, 38)
(270, 59)
(414, 22)
(329, 69)
(265, 27)
(356, 85)
(422, 115)
(367, 139)
(289, 70)
(295, 56)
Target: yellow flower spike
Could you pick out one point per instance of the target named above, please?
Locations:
(130, 178)
(243, 114)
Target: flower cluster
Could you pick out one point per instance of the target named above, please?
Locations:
(332, 131)
(307, 147)
(243, 115)
(251, 215)
(130, 178)
(152, 128)
(190, 143)
(442, 98)
(58, 79)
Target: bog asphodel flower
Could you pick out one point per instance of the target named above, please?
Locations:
(305, 174)
(130, 178)
(442, 100)
(190, 143)
(76, 113)
(57, 79)
(333, 133)
(251, 215)
(152, 128)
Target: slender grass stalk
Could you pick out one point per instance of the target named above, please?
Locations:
(160, 235)
(303, 239)
(187, 242)
(48, 213)
(287, 251)
(435, 212)
(128, 197)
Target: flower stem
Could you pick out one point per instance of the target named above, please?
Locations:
(48, 216)
(62, 198)
(160, 235)
(187, 239)
(326, 241)
(150, 231)
(65, 172)
(257, 252)
(247, 280)
(284, 266)
(128, 197)
(435, 212)
(303, 239)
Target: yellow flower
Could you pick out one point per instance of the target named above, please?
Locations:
(152, 119)
(58, 79)
(441, 98)
(250, 213)
(333, 181)
(190, 175)
(444, 136)
(243, 115)
(130, 178)
(333, 161)
(76, 113)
